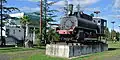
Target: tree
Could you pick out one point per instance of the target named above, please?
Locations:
(107, 34)
(25, 21)
(113, 35)
(92, 15)
(52, 35)
(4, 11)
(48, 15)
(117, 36)
(35, 22)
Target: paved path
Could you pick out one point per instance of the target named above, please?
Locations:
(114, 58)
(26, 54)
(14, 55)
(4, 57)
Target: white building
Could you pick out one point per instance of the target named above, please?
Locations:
(14, 32)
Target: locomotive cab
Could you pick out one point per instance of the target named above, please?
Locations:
(102, 24)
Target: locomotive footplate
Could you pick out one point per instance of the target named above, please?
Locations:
(87, 42)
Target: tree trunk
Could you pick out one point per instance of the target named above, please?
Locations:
(27, 30)
(34, 35)
(28, 44)
(24, 36)
(3, 41)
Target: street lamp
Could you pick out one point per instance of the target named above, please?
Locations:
(96, 12)
(113, 22)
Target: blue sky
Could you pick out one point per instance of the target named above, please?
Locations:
(110, 9)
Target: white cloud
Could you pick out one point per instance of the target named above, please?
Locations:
(29, 0)
(82, 3)
(49, 1)
(60, 3)
(34, 0)
(116, 10)
(92, 9)
(19, 15)
(116, 29)
(29, 9)
(115, 16)
(116, 4)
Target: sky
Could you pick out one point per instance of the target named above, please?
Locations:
(110, 9)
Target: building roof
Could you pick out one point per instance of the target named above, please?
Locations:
(33, 18)
(18, 15)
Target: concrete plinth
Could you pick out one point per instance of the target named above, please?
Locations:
(68, 51)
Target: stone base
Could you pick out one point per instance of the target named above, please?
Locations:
(69, 51)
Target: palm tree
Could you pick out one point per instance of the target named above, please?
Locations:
(52, 35)
(5, 10)
(25, 21)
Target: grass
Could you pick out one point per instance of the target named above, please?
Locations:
(41, 56)
(114, 50)
(17, 49)
(12, 49)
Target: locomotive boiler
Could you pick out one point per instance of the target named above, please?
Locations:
(80, 27)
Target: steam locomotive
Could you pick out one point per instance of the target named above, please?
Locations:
(80, 27)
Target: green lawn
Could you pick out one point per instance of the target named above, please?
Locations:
(39, 54)
(17, 49)
(114, 50)
(13, 49)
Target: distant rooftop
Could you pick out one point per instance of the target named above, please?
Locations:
(18, 15)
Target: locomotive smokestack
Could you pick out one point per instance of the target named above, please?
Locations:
(70, 9)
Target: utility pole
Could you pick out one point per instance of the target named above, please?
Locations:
(1, 21)
(40, 19)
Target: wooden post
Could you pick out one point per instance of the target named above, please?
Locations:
(40, 19)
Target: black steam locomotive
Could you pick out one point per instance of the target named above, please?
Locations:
(80, 27)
